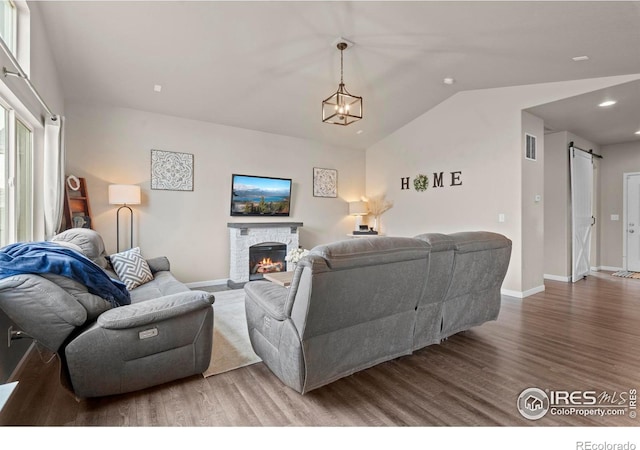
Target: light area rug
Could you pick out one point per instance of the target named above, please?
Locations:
(231, 346)
(626, 274)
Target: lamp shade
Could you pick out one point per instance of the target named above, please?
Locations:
(358, 208)
(124, 194)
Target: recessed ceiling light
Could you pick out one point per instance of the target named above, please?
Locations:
(359, 132)
(157, 87)
(607, 103)
(637, 132)
(580, 58)
(448, 80)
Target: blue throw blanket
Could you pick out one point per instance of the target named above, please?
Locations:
(46, 257)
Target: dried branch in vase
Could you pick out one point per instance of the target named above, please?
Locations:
(379, 204)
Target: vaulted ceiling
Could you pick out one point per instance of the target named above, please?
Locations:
(267, 65)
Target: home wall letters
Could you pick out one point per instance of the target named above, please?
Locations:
(421, 182)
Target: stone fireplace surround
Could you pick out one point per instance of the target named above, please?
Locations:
(243, 235)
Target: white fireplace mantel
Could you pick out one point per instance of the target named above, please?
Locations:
(244, 235)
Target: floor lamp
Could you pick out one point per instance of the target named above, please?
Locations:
(125, 195)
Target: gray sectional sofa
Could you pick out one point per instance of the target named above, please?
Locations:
(166, 333)
(353, 304)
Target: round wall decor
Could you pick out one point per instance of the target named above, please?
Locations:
(421, 183)
(73, 182)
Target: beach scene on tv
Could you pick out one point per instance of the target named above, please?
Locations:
(260, 196)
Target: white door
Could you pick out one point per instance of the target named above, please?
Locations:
(581, 212)
(632, 221)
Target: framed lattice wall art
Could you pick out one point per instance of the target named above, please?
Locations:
(325, 182)
(171, 171)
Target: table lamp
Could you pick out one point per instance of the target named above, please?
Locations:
(358, 209)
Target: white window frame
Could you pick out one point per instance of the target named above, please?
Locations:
(31, 150)
(13, 44)
(11, 167)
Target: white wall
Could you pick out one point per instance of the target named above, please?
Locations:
(533, 199)
(617, 160)
(480, 133)
(112, 145)
(557, 218)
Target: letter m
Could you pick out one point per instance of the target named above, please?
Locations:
(437, 180)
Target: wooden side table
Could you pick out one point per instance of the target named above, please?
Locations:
(281, 278)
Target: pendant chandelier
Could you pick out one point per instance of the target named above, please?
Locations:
(342, 108)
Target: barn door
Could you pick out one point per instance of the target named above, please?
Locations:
(581, 212)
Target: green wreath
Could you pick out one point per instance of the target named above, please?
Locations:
(421, 183)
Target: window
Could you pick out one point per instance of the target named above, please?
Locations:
(16, 178)
(8, 24)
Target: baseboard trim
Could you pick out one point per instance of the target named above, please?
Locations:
(547, 276)
(610, 268)
(522, 294)
(197, 284)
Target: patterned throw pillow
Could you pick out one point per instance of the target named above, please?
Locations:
(131, 268)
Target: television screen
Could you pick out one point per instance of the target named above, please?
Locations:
(260, 196)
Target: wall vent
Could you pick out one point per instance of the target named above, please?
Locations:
(530, 147)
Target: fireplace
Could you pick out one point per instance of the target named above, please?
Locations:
(266, 257)
(243, 236)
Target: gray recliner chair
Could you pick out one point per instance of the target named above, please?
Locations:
(165, 334)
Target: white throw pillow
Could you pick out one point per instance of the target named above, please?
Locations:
(131, 268)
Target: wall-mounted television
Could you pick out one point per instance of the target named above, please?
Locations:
(260, 196)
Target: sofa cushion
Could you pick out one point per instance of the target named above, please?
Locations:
(89, 241)
(132, 268)
(41, 308)
(163, 283)
(94, 304)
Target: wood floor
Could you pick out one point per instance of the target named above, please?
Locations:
(582, 336)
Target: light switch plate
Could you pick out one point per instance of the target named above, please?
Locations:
(615, 217)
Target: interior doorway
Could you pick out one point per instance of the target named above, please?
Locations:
(631, 224)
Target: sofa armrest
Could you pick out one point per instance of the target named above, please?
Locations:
(159, 264)
(270, 297)
(155, 310)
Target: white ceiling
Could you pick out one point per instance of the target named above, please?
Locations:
(601, 125)
(267, 65)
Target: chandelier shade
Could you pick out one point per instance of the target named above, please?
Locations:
(342, 108)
